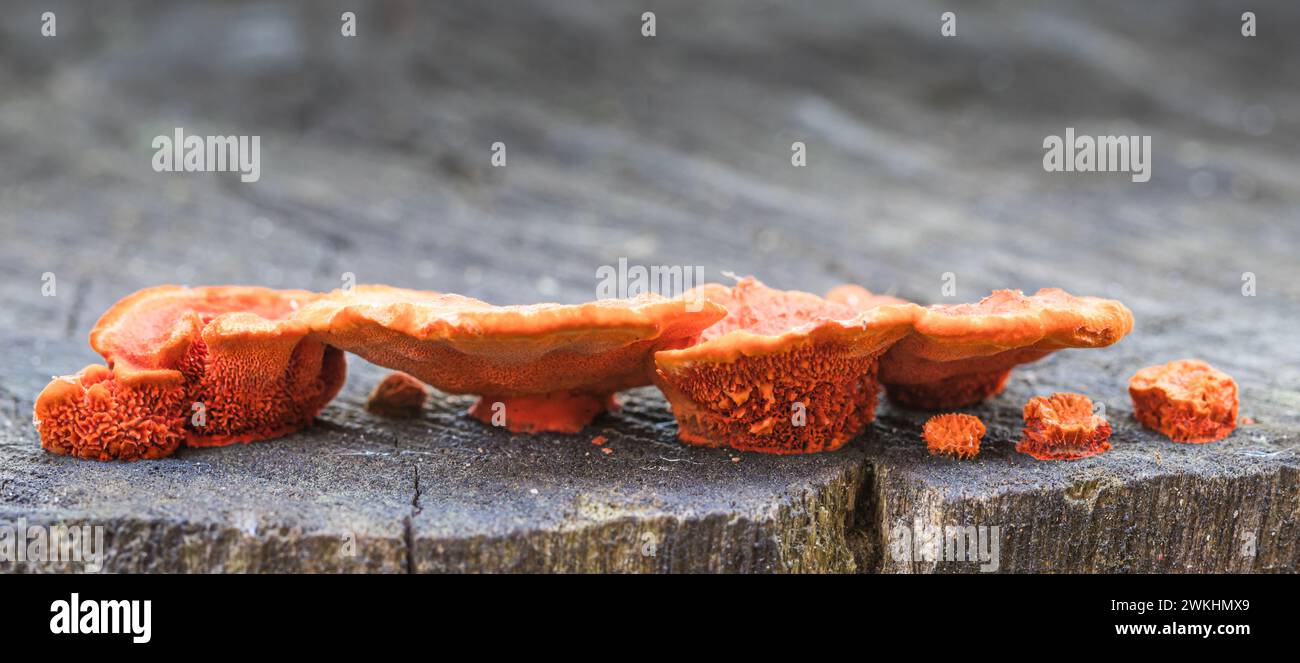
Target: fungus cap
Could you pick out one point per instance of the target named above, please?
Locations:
(212, 365)
(954, 434)
(1063, 426)
(961, 354)
(785, 372)
(564, 357)
(1187, 400)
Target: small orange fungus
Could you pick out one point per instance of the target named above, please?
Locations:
(1187, 400)
(958, 355)
(541, 367)
(954, 435)
(204, 366)
(398, 395)
(1063, 427)
(785, 372)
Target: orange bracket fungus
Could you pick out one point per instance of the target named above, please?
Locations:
(398, 395)
(953, 434)
(204, 366)
(959, 355)
(1187, 400)
(1063, 427)
(785, 372)
(542, 367)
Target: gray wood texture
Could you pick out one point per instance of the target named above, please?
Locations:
(924, 157)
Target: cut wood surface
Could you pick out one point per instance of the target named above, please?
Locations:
(924, 157)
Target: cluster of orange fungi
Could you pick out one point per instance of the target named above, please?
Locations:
(743, 366)
(1057, 427)
(219, 365)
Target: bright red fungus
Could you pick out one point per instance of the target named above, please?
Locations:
(207, 366)
(541, 367)
(958, 355)
(956, 435)
(1063, 427)
(1187, 399)
(785, 372)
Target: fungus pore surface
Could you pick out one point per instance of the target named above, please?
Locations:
(201, 366)
(958, 355)
(956, 435)
(541, 367)
(785, 372)
(1063, 427)
(1187, 400)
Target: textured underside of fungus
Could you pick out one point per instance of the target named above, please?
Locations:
(958, 355)
(203, 366)
(785, 372)
(1187, 400)
(1063, 427)
(953, 435)
(542, 367)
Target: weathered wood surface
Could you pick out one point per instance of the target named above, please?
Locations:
(923, 158)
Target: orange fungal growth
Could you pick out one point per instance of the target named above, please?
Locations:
(398, 395)
(92, 415)
(953, 434)
(542, 367)
(1063, 427)
(958, 355)
(785, 372)
(207, 366)
(1187, 400)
